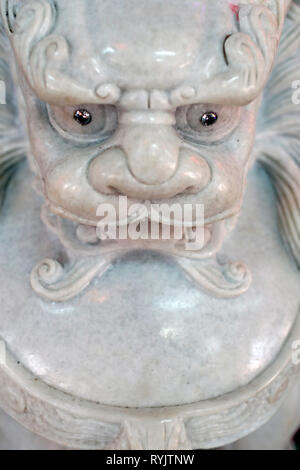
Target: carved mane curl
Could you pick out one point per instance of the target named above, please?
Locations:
(12, 140)
(278, 137)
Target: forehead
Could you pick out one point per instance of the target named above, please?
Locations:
(150, 44)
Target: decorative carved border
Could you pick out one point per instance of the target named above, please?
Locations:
(77, 423)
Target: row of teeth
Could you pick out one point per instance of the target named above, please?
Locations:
(88, 234)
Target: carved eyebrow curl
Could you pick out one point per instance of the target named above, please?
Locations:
(45, 57)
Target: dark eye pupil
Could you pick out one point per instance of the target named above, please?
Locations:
(209, 118)
(83, 117)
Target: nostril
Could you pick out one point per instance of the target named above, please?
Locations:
(195, 170)
(191, 190)
(114, 191)
(105, 171)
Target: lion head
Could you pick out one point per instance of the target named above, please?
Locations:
(155, 101)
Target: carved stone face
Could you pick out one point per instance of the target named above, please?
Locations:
(150, 99)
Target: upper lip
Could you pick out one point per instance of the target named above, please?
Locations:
(62, 212)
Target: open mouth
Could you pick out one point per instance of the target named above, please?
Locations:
(196, 241)
(61, 282)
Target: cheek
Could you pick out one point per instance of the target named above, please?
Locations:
(231, 159)
(229, 163)
(46, 148)
(227, 186)
(66, 184)
(50, 152)
(232, 162)
(68, 193)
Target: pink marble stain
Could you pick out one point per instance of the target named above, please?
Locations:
(235, 9)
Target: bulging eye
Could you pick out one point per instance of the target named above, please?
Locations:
(84, 123)
(209, 119)
(203, 124)
(83, 117)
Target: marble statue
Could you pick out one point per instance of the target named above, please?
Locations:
(135, 342)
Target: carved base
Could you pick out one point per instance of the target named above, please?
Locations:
(77, 423)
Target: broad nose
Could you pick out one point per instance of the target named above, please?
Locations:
(152, 153)
(109, 173)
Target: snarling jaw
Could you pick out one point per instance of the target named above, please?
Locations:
(158, 108)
